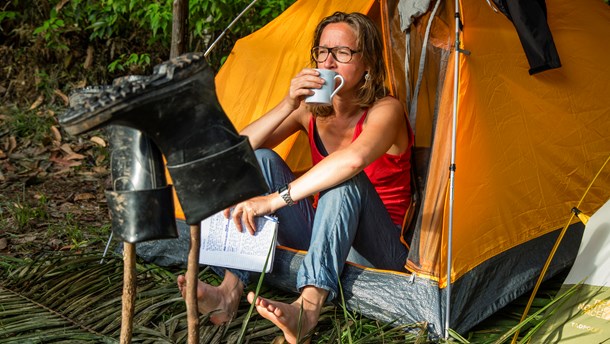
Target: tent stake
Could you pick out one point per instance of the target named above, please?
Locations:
(575, 212)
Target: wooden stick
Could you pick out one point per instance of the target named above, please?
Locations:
(129, 292)
(191, 285)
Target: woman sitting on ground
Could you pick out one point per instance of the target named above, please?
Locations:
(361, 148)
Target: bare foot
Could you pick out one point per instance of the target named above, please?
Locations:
(297, 319)
(221, 302)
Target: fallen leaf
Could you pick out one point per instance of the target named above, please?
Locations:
(81, 84)
(66, 148)
(12, 144)
(89, 59)
(3, 244)
(98, 140)
(70, 155)
(74, 156)
(99, 160)
(65, 162)
(83, 196)
(100, 170)
(37, 102)
(56, 134)
(63, 96)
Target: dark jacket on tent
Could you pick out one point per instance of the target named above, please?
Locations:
(529, 19)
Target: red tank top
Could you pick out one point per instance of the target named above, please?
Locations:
(390, 174)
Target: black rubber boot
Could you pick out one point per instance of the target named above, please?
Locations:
(140, 201)
(211, 165)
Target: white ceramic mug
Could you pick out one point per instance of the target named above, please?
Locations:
(324, 95)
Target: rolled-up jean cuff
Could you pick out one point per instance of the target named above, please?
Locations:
(244, 276)
(332, 292)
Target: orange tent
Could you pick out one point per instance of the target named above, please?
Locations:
(526, 146)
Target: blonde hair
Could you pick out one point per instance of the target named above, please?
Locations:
(371, 47)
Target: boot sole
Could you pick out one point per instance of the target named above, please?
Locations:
(100, 108)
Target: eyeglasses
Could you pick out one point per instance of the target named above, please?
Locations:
(341, 54)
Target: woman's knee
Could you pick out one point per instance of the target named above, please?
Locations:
(352, 186)
(266, 155)
(273, 167)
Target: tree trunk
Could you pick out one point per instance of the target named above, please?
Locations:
(179, 27)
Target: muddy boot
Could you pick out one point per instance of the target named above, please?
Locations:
(211, 165)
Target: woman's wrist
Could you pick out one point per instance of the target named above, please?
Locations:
(290, 104)
(284, 193)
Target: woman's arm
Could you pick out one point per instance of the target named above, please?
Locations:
(383, 130)
(287, 117)
(274, 127)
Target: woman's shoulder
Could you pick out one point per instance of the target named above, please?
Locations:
(387, 104)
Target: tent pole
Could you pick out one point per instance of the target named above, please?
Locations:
(209, 50)
(452, 166)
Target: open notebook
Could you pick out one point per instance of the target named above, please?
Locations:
(223, 245)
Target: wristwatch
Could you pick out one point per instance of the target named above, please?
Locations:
(284, 192)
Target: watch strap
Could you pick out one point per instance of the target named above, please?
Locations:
(284, 192)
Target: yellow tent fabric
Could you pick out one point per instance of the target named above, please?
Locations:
(527, 145)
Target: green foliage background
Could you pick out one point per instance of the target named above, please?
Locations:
(63, 42)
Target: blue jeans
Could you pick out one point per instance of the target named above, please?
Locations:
(350, 223)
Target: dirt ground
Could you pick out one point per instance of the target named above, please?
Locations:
(52, 194)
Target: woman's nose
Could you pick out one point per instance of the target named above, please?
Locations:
(330, 62)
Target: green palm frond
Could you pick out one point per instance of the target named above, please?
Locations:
(76, 299)
(38, 307)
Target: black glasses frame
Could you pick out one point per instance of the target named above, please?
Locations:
(333, 51)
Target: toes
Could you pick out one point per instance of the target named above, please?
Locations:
(262, 302)
(181, 281)
(250, 298)
(271, 307)
(259, 302)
